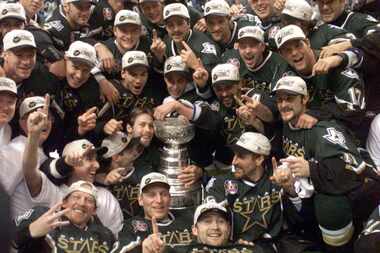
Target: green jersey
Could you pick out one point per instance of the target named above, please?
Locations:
(357, 23)
(175, 231)
(335, 163)
(256, 206)
(65, 239)
(326, 34)
(127, 191)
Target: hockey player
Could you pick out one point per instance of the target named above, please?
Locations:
(222, 29)
(12, 16)
(140, 233)
(8, 99)
(182, 40)
(254, 200)
(326, 157)
(67, 226)
(339, 92)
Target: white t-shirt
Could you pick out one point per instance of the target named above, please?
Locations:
(108, 208)
(5, 134)
(373, 140)
(11, 174)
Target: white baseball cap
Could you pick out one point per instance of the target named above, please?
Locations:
(175, 64)
(289, 32)
(211, 205)
(226, 73)
(12, 10)
(18, 38)
(132, 58)
(216, 7)
(7, 84)
(77, 147)
(252, 142)
(299, 9)
(292, 84)
(151, 178)
(115, 143)
(30, 104)
(82, 186)
(75, 1)
(83, 52)
(176, 9)
(127, 17)
(254, 32)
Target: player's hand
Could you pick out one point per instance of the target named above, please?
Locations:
(324, 65)
(37, 121)
(283, 176)
(189, 57)
(278, 6)
(246, 115)
(298, 166)
(75, 159)
(105, 56)
(162, 111)
(158, 47)
(201, 25)
(244, 242)
(87, 121)
(306, 121)
(190, 175)
(200, 75)
(109, 91)
(334, 49)
(115, 176)
(237, 9)
(113, 126)
(48, 221)
(153, 243)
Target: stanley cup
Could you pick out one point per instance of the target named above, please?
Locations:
(175, 133)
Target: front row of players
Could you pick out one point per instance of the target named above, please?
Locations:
(319, 188)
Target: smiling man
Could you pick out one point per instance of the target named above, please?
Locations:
(65, 227)
(140, 233)
(247, 185)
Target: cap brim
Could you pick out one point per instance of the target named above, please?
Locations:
(225, 82)
(13, 16)
(81, 60)
(294, 38)
(23, 46)
(187, 74)
(127, 23)
(239, 149)
(217, 14)
(176, 15)
(288, 91)
(136, 65)
(214, 210)
(155, 183)
(12, 92)
(79, 1)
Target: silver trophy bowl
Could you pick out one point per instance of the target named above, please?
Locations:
(176, 133)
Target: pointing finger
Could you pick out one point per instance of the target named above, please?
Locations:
(155, 226)
(184, 44)
(274, 164)
(154, 35)
(47, 104)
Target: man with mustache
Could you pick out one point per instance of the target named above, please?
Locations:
(327, 160)
(246, 188)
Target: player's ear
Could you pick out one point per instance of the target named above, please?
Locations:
(140, 200)
(194, 230)
(129, 129)
(305, 99)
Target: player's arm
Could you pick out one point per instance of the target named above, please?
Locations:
(36, 123)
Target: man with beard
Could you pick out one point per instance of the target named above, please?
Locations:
(222, 29)
(339, 93)
(83, 165)
(69, 225)
(189, 44)
(253, 199)
(134, 94)
(140, 233)
(334, 171)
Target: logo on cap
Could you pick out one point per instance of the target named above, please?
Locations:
(16, 39)
(84, 146)
(214, 77)
(122, 18)
(32, 104)
(208, 9)
(5, 11)
(130, 59)
(241, 33)
(167, 12)
(168, 67)
(76, 53)
(147, 181)
(124, 139)
(279, 39)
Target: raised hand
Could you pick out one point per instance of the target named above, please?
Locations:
(161, 111)
(306, 121)
(38, 120)
(200, 75)
(335, 49)
(298, 166)
(324, 65)
(75, 159)
(189, 57)
(113, 126)
(115, 176)
(201, 25)
(109, 91)
(105, 56)
(48, 221)
(158, 47)
(153, 243)
(87, 121)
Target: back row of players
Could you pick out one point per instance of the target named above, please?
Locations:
(325, 176)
